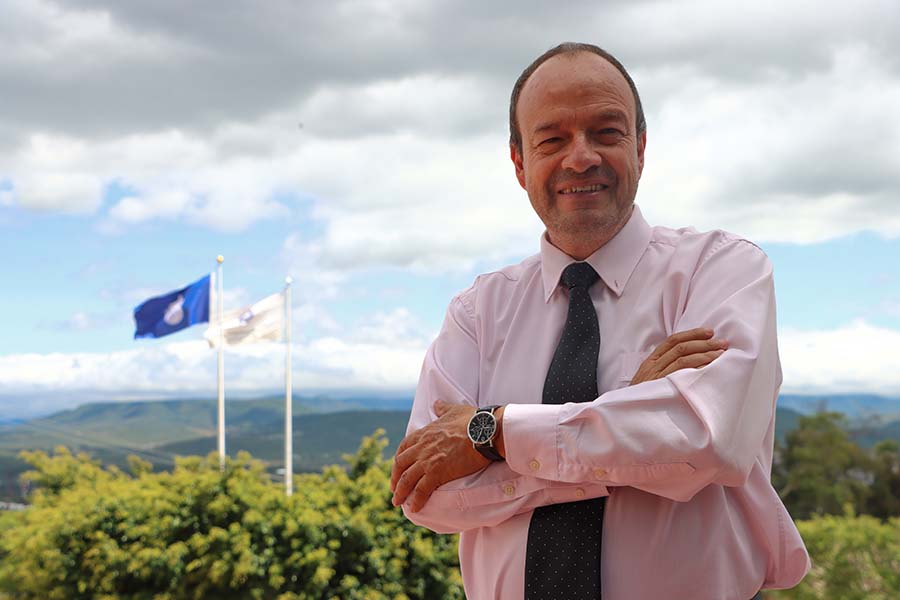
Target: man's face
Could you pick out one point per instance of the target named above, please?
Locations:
(581, 158)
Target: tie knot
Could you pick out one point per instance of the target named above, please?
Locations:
(579, 274)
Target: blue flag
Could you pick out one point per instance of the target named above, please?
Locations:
(174, 311)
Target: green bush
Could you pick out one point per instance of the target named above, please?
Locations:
(94, 532)
(853, 558)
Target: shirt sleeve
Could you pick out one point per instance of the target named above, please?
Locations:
(493, 495)
(675, 435)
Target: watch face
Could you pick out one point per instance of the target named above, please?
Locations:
(481, 427)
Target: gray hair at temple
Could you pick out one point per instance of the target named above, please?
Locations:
(515, 136)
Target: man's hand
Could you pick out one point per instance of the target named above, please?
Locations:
(693, 348)
(435, 454)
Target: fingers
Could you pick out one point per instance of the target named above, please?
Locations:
(685, 349)
(402, 460)
(692, 361)
(407, 482)
(422, 492)
(700, 333)
(682, 352)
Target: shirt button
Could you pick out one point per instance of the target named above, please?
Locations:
(509, 490)
(579, 493)
(600, 473)
(535, 465)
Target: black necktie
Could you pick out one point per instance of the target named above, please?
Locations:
(562, 559)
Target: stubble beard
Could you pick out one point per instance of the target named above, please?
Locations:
(596, 225)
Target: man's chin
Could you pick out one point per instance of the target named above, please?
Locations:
(587, 221)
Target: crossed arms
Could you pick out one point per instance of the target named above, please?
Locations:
(671, 435)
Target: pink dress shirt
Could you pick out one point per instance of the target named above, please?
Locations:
(685, 460)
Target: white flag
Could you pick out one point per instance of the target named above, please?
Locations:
(259, 322)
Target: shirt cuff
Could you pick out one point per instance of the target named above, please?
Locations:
(530, 439)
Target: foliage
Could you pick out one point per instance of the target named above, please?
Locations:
(821, 469)
(884, 500)
(853, 558)
(95, 532)
(107, 532)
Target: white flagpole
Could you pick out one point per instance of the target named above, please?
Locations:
(288, 394)
(221, 366)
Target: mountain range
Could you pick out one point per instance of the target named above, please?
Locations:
(324, 428)
(855, 406)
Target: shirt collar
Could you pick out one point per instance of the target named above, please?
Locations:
(614, 261)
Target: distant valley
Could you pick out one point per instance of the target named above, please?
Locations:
(324, 429)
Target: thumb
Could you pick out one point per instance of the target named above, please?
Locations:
(440, 407)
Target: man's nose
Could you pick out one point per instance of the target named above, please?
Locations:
(581, 155)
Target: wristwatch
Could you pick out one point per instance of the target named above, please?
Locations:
(482, 429)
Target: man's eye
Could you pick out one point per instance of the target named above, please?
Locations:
(551, 140)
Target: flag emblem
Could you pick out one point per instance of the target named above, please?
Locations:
(175, 312)
(262, 321)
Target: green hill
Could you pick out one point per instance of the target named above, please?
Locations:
(159, 431)
(324, 429)
(148, 424)
(319, 439)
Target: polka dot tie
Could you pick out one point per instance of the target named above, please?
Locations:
(562, 560)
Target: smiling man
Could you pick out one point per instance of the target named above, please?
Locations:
(576, 419)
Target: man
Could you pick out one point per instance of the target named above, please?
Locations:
(630, 451)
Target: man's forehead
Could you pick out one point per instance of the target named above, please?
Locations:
(575, 77)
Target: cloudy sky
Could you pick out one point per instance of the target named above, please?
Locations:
(360, 146)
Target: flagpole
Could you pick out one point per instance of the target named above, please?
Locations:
(288, 395)
(221, 365)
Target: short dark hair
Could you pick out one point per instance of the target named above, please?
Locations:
(515, 136)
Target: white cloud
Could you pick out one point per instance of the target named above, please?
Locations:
(385, 356)
(53, 180)
(855, 358)
(397, 328)
(783, 160)
(416, 202)
(174, 177)
(424, 104)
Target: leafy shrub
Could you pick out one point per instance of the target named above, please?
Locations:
(94, 532)
(853, 557)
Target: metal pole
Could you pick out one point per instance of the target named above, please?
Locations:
(288, 395)
(221, 367)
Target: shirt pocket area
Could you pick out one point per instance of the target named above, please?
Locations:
(629, 362)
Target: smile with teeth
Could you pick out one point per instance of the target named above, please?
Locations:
(584, 188)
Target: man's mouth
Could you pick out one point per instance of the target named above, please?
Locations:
(581, 189)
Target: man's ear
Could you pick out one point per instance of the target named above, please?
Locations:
(516, 157)
(642, 145)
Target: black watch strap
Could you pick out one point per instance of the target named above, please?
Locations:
(488, 450)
